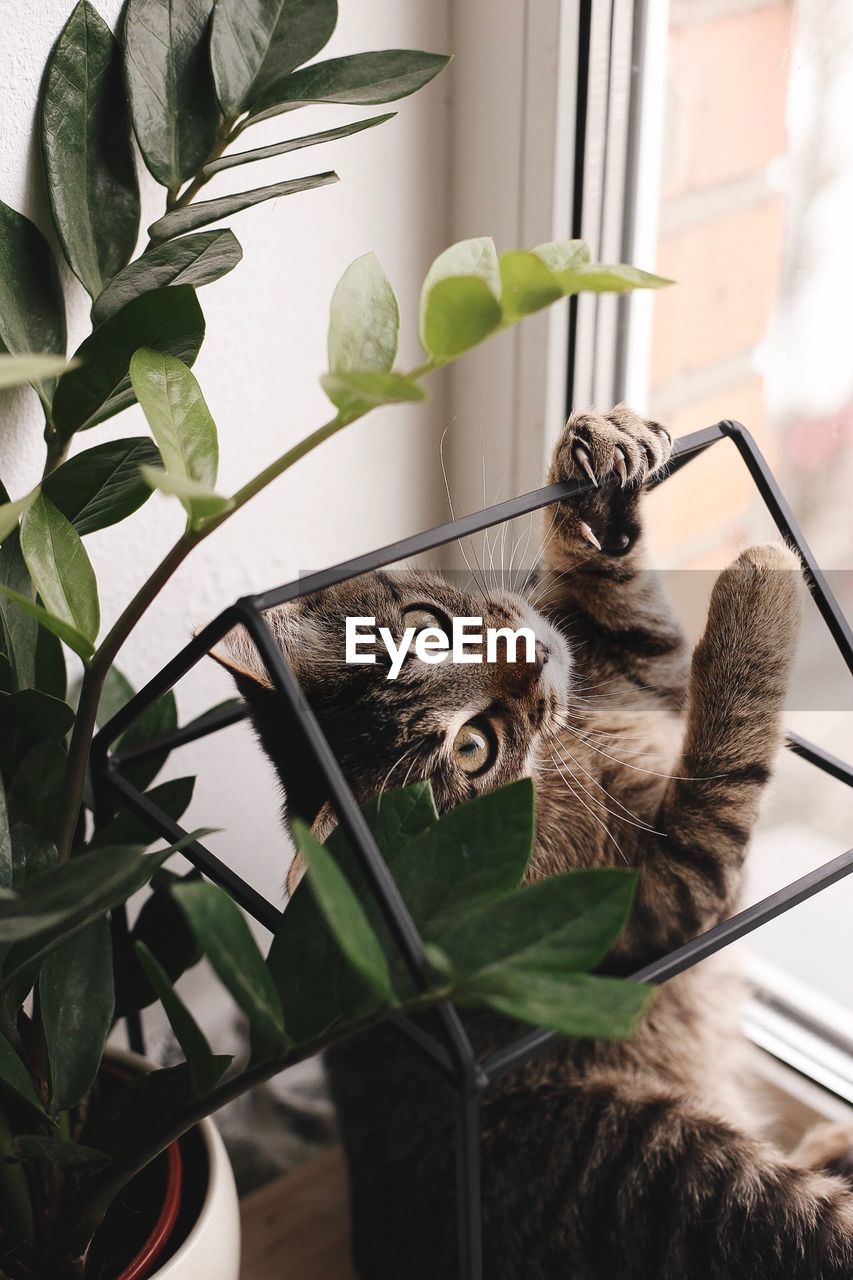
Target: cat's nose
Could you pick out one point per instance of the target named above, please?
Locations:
(542, 654)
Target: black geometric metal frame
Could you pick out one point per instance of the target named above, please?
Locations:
(450, 1053)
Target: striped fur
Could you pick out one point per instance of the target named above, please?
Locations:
(636, 1161)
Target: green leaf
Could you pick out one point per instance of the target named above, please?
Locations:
(199, 502)
(601, 278)
(26, 717)
(563, 255)
(356, 393)
(60, 568)
(87, 153)
(293, 144)
(254, 44)
(18, 630)
(16, 370)
(101, 486)
(527, 284)
(459, 304)
(173, 797)
(35, 791)
(11, 512)
(127, 1116)
(207, 211)
(396, 816)
(362, 79)
(343, 913)
(167, 319)
(459, 314)
(32, 309)
(574, 1004)
(162, 927)
(565, 923)
(195, 260)
(364, 319)
(116, 693)
(15, 1076)
(158, 719)
(74, 893)
(33, 852)
(81, 645)
(179, 419)
(76, 1002)
(51, 676)
(227, 942)
(204, 1068)
(170, 85)
(66, 1155)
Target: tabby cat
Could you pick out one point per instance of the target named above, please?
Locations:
(630, 1161)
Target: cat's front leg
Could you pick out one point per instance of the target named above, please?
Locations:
(594, 579)
(690, 874)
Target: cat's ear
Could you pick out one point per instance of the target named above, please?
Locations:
(236, 652)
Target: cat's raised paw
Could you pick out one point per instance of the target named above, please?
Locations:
(619, 444)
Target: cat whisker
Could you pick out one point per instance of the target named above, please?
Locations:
(592, 812)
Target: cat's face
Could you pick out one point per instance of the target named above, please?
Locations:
(468, 728)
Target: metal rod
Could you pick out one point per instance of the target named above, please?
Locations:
(211, 722)
(219, 872)
(824, 760)
(685, 957)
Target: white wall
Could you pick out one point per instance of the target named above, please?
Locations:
(265, 347)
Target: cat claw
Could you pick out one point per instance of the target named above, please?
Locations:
(582, 458)
(619, 464)
(588, 535)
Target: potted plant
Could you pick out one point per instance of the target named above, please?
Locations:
(85, 1137)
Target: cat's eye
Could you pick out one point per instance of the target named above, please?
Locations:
(474, 748)
(420, 617)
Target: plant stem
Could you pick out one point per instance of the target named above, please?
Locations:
(57, 448)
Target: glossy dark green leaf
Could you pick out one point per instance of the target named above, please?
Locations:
(565, 923)
(202, 214)
(254, 44)
(16, 370)
(167, 319)
(66, 1155)
(75, 640)
(227, 942)
(87, 152)
(26, 717)
(33, 852)
(364, 319)
(363, 79)
(527, 284)
(396, 817)
(34, 795)
(32, 309)
(20, 630)
(51, 675)
(127, 1116)
(344, 914)
(195, 260)
(15, 1076)
(573, 1004)
(60, 568)
(74, 893)
(76, 1002)
(158, 719)
(354, 394)
(293, 144)
(11, 512)
(178, 416)
(162, 927)
(204, 1068)
(101, 486)
(173, 797)
(170, 85)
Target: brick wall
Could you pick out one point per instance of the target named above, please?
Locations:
(721, 239)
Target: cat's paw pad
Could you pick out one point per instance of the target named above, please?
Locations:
(620, 444)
